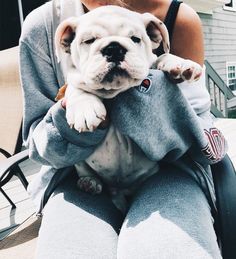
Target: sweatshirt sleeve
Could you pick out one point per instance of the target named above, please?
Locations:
(45, 130)
(199, 99)
(196, 93)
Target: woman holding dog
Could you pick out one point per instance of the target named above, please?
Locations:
(169, 217)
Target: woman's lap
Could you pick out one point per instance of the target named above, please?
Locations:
(168, 218)
(78, 225)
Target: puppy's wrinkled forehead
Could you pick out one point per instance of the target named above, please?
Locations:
(100, 23)
(110, 21)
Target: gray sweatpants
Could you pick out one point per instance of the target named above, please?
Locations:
(169, 218)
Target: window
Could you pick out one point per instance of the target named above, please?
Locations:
(231, 75)
(231, 6)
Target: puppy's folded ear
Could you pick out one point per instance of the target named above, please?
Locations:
(65, 34)
(156, 31)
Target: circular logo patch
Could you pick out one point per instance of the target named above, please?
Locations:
(145, 85)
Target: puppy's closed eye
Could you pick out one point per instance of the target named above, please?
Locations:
(89, 41)
(135, 39)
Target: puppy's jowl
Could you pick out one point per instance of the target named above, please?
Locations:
(103, 53)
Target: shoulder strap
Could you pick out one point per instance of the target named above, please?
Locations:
(170, 22)
(171, 16)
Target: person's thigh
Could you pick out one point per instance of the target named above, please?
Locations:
(169, 218)
(78, 225)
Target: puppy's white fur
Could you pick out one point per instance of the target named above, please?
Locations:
(79, 45)
(82, 45)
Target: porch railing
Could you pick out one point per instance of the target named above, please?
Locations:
(218, 90)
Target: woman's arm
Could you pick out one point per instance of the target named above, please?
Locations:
(45, 130)
(187, 41)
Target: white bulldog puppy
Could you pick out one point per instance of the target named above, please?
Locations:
(107, 51)
(103, 53)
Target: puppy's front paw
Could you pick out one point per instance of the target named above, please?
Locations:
(85, 113)
(90, 184)
(180, 68)
(190, 71)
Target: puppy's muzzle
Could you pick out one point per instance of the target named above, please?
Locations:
(114, 52)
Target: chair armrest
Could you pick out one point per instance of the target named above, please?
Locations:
(9, 67)
(9, 163)
(11, 105)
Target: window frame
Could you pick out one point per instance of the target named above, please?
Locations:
(229, 8)
(228, 64)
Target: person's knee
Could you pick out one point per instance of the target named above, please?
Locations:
(78, 225)
(85, 236)
(163, 240)
(169, 218)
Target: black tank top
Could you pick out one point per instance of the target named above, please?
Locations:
(169, 22)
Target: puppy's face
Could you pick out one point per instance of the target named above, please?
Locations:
(111, 47)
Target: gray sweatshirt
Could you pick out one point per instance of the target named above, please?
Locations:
(167, 122)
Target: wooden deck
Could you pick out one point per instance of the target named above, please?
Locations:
(11, 218)
(19, 229)
(228, 128)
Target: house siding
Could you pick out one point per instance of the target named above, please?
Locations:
(219, 39)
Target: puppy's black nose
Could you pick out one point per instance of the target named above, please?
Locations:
(114, 52)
